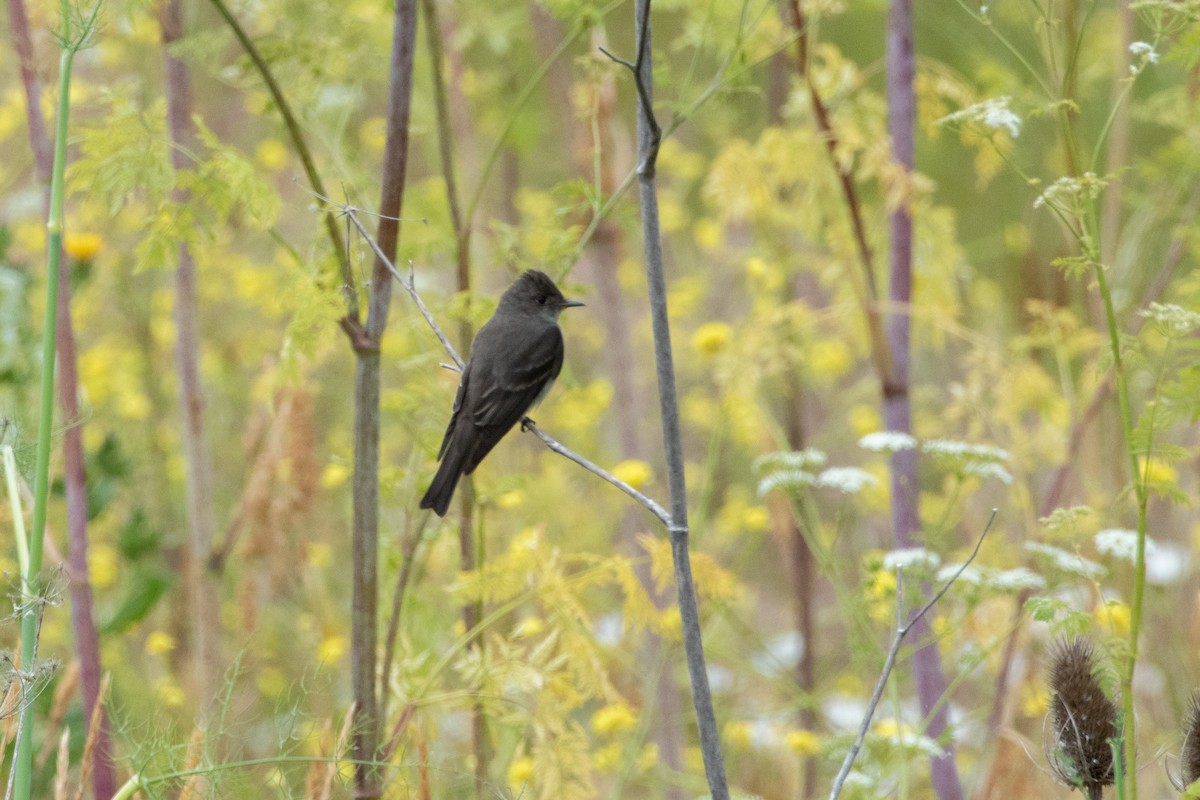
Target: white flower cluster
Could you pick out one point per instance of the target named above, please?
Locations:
(994, 113)
(1066, 561)
(1173, 321)
(849, 480)
(887, 442)
(1007, 580)
(1165, 563)
(952, 448)
(1145, 54)
(1068, 188)
(908, 558)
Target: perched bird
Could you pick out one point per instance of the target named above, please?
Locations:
(514, 359)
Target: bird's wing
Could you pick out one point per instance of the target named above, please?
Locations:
(512, 390)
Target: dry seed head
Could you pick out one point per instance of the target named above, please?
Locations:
(1084, 719)
(1189, 754)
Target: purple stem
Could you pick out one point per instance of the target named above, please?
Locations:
(897, 409)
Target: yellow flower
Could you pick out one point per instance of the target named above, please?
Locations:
(613, 719)
(738, 734)
(1157, 471)
(169, 693)
(708, 234)
(510, 500)
(271, 154)
(1034, 701)
(711, 337)
(372, 134)
(883, 585)
(864, 419)
(530, 626)
(829, 359)
(634, 472)
(671, 216)
(102, 566)
(848, 684)
(334, 475)
(671, 623)
(331, 649)
(756, 519)
(608, 756)
(520, 771)
(159, 642)
(318, 554)
(806, 743)
(1114, 616)
(271, 682)
(647, 758)
(82, 246)
(892, 727)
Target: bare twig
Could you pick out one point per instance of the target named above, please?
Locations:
(409, 285)
(653, 507)
(649, 135)
(902, 630)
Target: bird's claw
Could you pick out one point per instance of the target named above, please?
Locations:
(527, 423)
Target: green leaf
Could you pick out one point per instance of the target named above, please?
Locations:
(143, 591)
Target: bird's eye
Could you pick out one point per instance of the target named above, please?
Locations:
(541, 299)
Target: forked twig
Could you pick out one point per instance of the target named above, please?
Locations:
(902, 629)
(409, 285)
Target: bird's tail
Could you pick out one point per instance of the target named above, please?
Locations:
(441, 491)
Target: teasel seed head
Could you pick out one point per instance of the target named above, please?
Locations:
(1083, 719)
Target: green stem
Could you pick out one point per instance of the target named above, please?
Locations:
(1139, 570)
(30, 607)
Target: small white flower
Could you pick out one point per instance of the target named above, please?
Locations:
(989, 470)
(910, 557)
(887, 442)
(781, 654)
(1166, 564)
(1010, 580)
(1073, 189)
(914, 744)
(952, 448)
(1119, 543)
(1067, 562)
(993, 113)
(850, 480)
(785, 479)
(1172, 320)
(790, 459)
(1017, 580)
(1145, 51)
(859, 780)
(972, 574)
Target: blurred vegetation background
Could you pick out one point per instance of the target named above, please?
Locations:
(1039, 124)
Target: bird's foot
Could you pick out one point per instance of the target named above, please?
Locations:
(526, 423)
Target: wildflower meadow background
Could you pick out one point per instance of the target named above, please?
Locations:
(197, 583)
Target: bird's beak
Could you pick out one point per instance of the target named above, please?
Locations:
(572, 304)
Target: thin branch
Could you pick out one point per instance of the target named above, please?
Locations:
(409, 285)
(663, 516)
(902, 630)
(649, 135)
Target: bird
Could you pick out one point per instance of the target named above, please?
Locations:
(514, 359)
